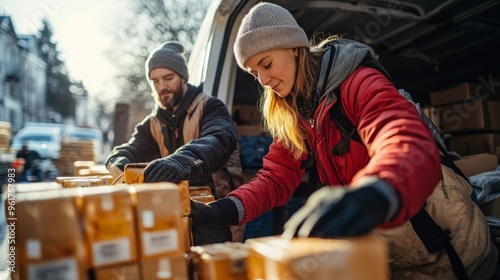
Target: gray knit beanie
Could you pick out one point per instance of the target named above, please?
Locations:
(267, 27)
(169, 55)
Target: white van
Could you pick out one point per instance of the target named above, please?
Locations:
(425, 45)
(46, 141)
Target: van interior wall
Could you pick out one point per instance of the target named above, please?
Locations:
(247, 89)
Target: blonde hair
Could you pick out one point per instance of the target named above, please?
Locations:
(281, 115)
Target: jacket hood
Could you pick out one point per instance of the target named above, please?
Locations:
(348, 56)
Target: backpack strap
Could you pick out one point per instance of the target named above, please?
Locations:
(435, 239)
(346, 127)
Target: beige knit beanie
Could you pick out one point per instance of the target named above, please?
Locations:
(169, 55)
(267, 27)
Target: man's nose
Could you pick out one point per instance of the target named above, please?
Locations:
(162, 85)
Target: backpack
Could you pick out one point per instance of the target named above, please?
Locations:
(433, 237)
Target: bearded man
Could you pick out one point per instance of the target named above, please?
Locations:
(187, 136)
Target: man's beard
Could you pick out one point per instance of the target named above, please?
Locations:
(171, 100)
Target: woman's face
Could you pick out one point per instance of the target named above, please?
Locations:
(275, 69)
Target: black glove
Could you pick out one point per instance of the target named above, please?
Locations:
(222, 211)
(335, 212)
(166, 170)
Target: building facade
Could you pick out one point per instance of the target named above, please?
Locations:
(22, 77)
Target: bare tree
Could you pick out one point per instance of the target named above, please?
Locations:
(148, 24)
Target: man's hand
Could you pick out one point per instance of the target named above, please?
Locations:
(336, 212)
(166, 170)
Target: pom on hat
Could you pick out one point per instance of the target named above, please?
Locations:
(266, 27)
(169, 55)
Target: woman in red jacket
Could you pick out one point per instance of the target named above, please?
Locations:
(379, 183)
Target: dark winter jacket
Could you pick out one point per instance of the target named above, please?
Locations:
(216, 137)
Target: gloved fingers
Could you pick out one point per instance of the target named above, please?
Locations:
(295, 222)
(350, 218)
(327, 221)
(316, 201)
(360, 225)
(154, 172)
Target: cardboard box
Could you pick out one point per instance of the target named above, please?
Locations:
(159, 226)
(461, 92)
(185, 197)
(246, 114)
(250, 130)
(119, 272)
(433, 114)
(474, 115)
(201, 194)
(186, 233)
(109, 225)
(317, 259)
(163, 268)
(200, 190)
(132, 173)
(36, 187)
(81, 164)
(49, 236)
(475, 164)
(221, 261)
(94, 170)
(469, 144)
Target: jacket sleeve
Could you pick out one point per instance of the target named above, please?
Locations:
(141, 147)
(400, 145)
(216, 141)
(273, 185)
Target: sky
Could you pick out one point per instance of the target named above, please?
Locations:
(82, 31)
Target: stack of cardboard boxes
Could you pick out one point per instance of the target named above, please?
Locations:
(469, 114)
(5, 136)
(138, 232)
(74, 150)
(103, 232)
(300, 258)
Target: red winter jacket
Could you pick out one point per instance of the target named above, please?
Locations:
(398, 147)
